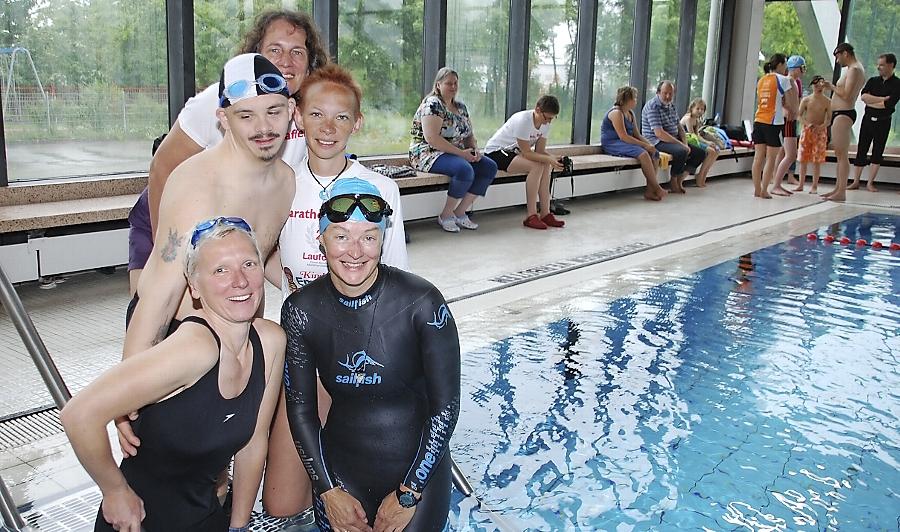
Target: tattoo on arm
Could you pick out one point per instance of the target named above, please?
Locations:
(169, 252)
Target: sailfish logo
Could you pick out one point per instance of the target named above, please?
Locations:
(356, 364)
(441, 317)
(359, 360)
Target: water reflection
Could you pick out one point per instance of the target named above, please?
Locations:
(760, 393)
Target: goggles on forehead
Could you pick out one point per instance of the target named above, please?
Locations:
(339, 208)
(207, 226)
(243, 88)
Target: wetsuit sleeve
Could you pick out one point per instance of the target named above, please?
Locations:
(439, 346)
(300, 394)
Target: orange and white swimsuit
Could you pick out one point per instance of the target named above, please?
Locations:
(770, 97)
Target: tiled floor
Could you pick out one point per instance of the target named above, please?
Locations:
(81, 321)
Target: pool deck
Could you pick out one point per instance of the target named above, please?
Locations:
(501, 265)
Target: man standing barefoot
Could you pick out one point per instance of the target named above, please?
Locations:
(843, 114)
(880, 95)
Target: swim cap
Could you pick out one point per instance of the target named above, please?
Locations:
(353, 185)
(249, 75)
(796, 61)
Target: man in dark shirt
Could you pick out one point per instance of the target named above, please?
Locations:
(880, 95)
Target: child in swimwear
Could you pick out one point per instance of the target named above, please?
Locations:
(815, 112)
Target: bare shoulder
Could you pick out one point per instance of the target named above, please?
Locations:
(192, 338)
(270, 333)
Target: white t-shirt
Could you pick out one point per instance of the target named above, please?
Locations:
(301, 259)
(519, 126)
(198, 120)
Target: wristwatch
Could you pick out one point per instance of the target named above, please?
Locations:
(407, 499)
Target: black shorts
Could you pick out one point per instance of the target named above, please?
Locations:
(768, 134)
(502, 157)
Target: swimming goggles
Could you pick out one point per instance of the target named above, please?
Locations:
(242, 88)
(207, 226)
(339, 208)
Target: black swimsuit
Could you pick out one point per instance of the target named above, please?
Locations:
(390, 361)
(186, 441)
(850, 113)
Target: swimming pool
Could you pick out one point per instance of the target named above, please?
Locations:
(758, 394)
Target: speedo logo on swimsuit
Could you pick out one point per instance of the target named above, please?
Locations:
(441, 317)
(356, 364)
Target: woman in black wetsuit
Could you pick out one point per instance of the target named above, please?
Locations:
(206, 392)
(386, 349)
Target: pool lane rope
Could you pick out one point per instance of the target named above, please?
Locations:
(845, 240)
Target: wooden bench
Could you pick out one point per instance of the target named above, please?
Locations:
(71, 226)
(585, 159)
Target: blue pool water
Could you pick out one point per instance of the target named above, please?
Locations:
(759, 394)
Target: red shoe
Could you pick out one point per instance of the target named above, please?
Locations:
(552, 221)
(534, 222)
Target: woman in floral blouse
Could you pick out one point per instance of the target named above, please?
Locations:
(443, 142)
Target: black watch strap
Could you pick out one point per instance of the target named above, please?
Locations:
(407, 499)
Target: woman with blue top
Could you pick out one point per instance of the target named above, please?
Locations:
(443, 142)
(620, 137)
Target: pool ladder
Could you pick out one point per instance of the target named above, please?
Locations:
(10, 300)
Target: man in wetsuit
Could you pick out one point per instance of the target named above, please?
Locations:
(243, 177)
(386, 348)
(843, 114)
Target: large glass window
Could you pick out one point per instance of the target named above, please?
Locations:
(700, 67)
(477, 40)
(84, 86)
(802, 28)
(872, 32)
(612, 63)
(219, 27)
(664, 27)
(551, 61)
(380, 41)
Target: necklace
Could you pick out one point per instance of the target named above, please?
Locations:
(358, 363)
(324, 193)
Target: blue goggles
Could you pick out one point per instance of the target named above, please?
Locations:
(243, 88)
(207, 226)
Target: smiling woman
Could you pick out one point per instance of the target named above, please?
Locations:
(390, 364)
(170, 484)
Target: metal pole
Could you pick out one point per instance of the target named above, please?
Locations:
(459, 480)
(8, 511)
(842, 36)
(32, 340)
(709, 66)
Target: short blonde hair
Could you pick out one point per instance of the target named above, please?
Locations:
(218, 232)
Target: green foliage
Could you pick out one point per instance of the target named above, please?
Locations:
(663, 43)
(783, 34)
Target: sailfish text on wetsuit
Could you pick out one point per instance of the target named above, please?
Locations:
(356, 364)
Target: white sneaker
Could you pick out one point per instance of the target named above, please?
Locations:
(464, 222)
(449, 224)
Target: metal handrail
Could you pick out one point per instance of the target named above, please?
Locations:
(8, 511)
(33, 343)
(45, 366)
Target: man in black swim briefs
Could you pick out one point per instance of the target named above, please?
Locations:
(387, 351)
